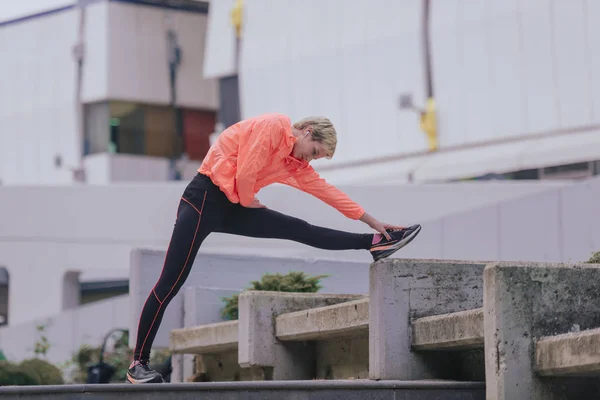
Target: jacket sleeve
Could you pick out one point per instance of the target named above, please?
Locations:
(254, 150)
(309, 181)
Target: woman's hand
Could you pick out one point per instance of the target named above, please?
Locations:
(256, 204)
(379, 226)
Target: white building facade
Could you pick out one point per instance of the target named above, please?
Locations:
(87, 88)
(515, 84)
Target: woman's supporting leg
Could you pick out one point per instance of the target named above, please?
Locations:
(189, 232)
(201, 211)
(266, 223)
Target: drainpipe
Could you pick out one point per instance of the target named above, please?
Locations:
(174, 60)
(78, 55)
(428, 116)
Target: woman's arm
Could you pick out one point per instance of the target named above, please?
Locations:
(309, 181)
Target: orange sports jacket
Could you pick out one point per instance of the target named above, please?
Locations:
(255, 153)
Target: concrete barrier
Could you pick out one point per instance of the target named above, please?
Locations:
(258, 344)
(538, 325)
(276, 342)
(525, 302)
(569, 354)
(322, 390)
(462, 330)
(212, 338)
(404, 290)
(324, 323)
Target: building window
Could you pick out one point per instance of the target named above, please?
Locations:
(145, 129)
(4, 283)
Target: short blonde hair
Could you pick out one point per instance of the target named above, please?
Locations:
(323, 132)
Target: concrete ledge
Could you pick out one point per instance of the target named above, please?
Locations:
(340, 320)
(456, 331)
(273, 390)
(404, 290)
(524, 301)
(258, 344)
(569, 354)
(212, 338)
(255, 385)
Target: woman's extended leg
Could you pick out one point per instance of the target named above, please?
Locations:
(266, 223)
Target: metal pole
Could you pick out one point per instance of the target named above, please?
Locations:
(78, 55)
(174, 54)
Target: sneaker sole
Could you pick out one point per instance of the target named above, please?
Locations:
(400, 244)
(156, 379)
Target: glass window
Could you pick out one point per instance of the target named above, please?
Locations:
(144, 129)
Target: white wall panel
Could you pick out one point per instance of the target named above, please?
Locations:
(592, 15)
(95, 67)
(138, 57)
(220, 40)
(37, 99)
(539, 67)
(398, 67)
(571, 62)
(355, 83)
(192, 88)
(447, 64)
(267, 60)
(347, 63)
(507, 95)
(476, 73)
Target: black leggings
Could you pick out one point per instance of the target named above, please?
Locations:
(203, 209)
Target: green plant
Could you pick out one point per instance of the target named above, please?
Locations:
(11, 374)
(41, 346)
(595, 259)
(47, 373)
(83, 358)
(293, 281)
(119, 358)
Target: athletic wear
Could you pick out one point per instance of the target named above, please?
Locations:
(257, 152)
(203, 209)
(246, 157)
(140, 373)
(399, 239)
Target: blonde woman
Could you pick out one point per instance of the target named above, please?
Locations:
(248, 156)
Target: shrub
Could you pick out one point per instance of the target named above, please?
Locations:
(47, 373)
(595, 259)
(297, 282)
(11, 375)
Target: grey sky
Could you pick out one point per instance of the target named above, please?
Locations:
(11, 9)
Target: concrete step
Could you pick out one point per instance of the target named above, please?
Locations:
(255, 390)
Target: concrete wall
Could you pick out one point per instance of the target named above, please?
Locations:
(106, 168)
(495, 72)
(66, 332)
(47, 231)
(37, 109)
(557, 225)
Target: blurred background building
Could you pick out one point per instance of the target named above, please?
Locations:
(443, 108)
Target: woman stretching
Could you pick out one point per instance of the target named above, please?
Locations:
(248, 156)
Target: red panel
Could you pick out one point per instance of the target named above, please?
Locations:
(197, 126)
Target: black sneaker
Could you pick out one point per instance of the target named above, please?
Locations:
(400, 238)
(140, 372)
